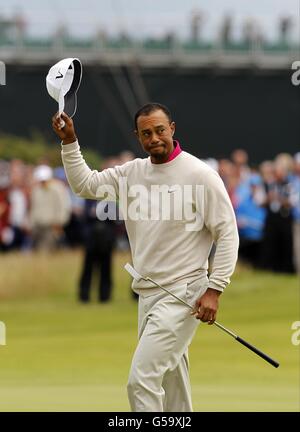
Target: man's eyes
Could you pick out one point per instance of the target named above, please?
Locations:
(159, 131)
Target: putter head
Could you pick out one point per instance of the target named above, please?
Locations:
(133, 272)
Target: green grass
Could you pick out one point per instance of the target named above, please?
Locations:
(64, 356)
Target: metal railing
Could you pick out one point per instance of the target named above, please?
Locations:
(149, 53)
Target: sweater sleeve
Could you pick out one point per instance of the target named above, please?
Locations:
(85, 182)
(220, 220)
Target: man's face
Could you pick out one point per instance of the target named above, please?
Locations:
(155, 133)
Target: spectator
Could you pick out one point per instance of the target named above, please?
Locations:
(229, 174)
(99, 245)
(6, 234)
(240, 159)
(100, 240)
(296, 212)
(50, 209)
(251, 219)
(266, 169)
(286, 161)
(243, 187)
(277, 248)
(18, 216)
(74, 228)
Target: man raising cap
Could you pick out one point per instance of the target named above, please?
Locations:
(169, 244)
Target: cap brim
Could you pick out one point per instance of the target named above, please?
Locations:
(71, 95)
(70, 104)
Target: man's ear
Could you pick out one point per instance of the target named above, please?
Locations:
(136, 133)
(172, 126)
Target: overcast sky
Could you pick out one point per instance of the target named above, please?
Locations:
(145, 17)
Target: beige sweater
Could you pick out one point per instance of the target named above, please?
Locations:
(160, 204)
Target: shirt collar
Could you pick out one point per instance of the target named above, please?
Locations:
(177, 150)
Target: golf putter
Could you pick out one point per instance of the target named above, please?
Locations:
(139, 277)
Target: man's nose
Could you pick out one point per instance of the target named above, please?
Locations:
(154, 139)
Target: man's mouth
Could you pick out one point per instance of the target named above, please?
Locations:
(156, 146)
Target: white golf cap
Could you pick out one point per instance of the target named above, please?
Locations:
(42, 173)
(63, 81)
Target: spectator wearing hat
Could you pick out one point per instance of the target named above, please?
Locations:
(50, 209)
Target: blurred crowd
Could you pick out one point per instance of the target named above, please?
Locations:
(266, 200)
(38, 211)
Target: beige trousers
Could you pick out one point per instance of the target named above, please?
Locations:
(159, 376)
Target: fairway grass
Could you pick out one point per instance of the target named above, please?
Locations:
(65, 356)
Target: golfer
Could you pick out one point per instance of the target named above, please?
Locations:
(176, 207)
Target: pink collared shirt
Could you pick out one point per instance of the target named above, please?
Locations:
(177, 150)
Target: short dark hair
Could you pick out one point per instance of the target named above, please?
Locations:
(149, 108)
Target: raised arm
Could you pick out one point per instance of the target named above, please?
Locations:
(84, 182)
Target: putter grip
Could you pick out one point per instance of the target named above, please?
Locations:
(256, 351)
